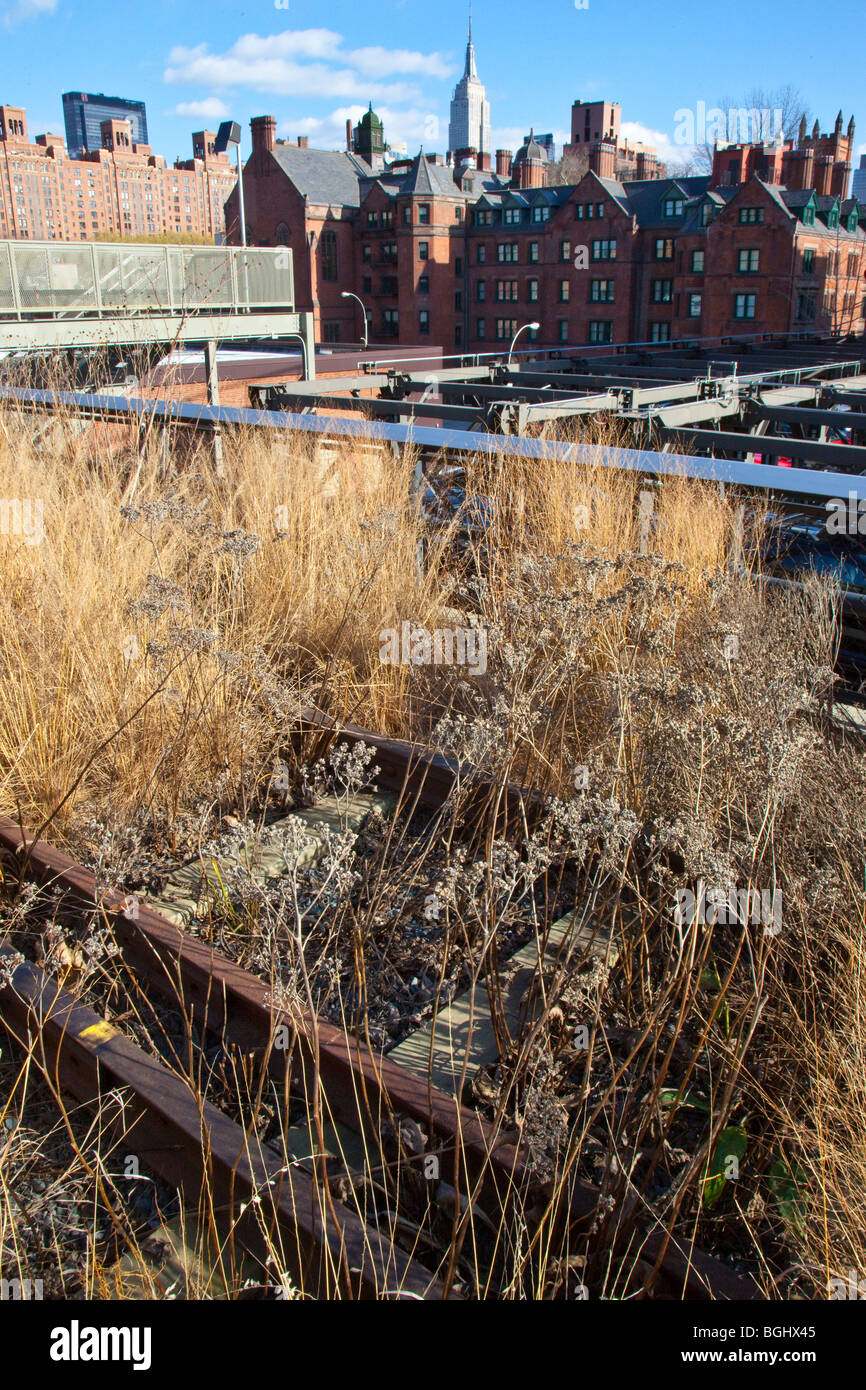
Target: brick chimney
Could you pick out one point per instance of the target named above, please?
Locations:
(797, 168)
(349, 137)
(503, 163)
(484, 162)
(303, 142)
(602, 159)
(264, 129)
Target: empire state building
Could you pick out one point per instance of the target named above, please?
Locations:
(469, 125)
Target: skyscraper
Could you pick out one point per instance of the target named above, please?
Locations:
(859, 187)
(469, 126)
(83, 113)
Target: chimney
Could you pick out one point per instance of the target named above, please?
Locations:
(264, 129)
(349, 136)
(503, 163)
(467, 156)
(823, 174)
(603, 158)
(484, 162)
(303, 142)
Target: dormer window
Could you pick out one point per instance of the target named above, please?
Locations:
(833, 218)
(809, 217)
(674, 207)
(706, 214)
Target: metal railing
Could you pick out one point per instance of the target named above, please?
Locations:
(106, 280)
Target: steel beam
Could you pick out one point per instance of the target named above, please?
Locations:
(845, 457)
(48, 335)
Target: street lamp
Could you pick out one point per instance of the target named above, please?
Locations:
(534, 326)
(229, 133)
(347, 294)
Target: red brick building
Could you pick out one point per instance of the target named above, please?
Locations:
(466, 255)
(122, 189)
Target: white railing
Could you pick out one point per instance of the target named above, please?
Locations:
(106, 280)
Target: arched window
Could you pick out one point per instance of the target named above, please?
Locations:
(282, 236)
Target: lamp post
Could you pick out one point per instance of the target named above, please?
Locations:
(347, 294)
(534, 326)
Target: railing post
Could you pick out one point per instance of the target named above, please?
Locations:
(213, 398)
(97, 293)
(13, 279)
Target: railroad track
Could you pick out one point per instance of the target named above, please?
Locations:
(327, 1245)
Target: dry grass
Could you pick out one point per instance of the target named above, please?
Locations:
(159, 642)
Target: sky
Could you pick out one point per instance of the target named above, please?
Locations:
(313, 63)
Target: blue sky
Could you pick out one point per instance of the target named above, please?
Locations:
(312, 63)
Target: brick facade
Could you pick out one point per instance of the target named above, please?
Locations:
(466, 256)
(120, 190)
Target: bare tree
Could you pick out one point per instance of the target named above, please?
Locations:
(570, 169)
(787, 99)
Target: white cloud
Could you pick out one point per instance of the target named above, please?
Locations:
(20, 10)
(668, 152)
(414, 124)
(299, 63)
(384, 62)
(211, 109)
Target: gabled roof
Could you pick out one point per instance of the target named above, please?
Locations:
(324, 176)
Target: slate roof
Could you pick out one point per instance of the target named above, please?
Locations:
(324, 176)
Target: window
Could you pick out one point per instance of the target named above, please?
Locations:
(698, 261)
(807, 305)
(600, 331)
(506, 251)
(660, 332)
(664, 249)
(662, 291)
(695, 306)
(458, 335)
(480, 328)
(540, 214)
(372, 219)
(407, 216)
(562, 330)
(833, 218)
(506, 328)
(601, 292)
(506, 289)
(604, 250)
(332, 332)
(458, 301)
(510, 216)
(458, 213)
(481, 254)
(748, 261)
(533, 253)
(852, 263)
(329, 255)
(481, 291)
(808, 217)
(674, 207)
(532, 291)
(423, 284)
(366, 252)
(390, 321)
(744, 306)
(366, 285)
(423, 250)
(809, 261)
(423, 213)
(578, 211)
(751, 215)
(458, 265)
(483, 217)
(565, 250)
(564, 291)
(599, 209)
(424, 321)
